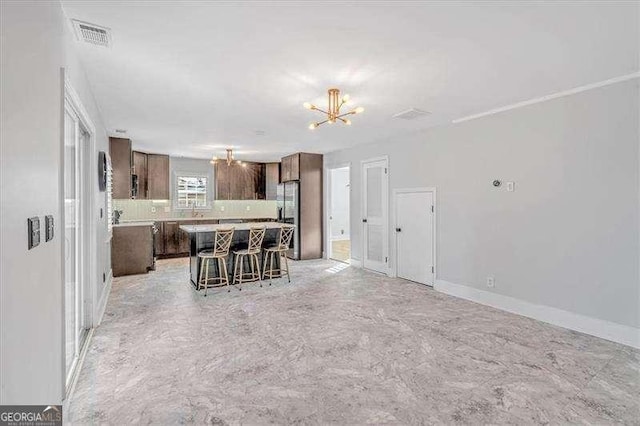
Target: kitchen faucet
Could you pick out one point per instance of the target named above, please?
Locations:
(193, 211)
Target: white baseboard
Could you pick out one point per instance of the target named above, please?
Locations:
(355, 263)
(608, 330)
(102, 303)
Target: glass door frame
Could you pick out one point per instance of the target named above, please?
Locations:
(87, 241)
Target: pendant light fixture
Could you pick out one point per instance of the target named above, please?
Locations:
(230, 159)
(333, 111)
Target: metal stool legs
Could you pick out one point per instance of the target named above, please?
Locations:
(239, 276)
(221, 279)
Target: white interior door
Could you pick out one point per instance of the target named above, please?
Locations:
(414, 236)
(375, 208)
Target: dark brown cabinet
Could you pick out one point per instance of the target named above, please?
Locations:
(290, 168)
(171, 241)
(240, 182)
(151, 171)
(272, 179)
(158, 241)
(171, 236)
(158, 177)
(141, 191)
(306, 170)
(120, 153)
(132, 250)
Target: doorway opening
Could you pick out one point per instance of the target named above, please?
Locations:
(339, 214)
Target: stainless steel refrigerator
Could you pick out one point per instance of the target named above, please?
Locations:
(288, 200)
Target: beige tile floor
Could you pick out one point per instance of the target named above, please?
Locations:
(339, 345)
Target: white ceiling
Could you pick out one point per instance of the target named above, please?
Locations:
(192, 78)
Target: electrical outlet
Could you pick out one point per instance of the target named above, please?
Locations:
(221, 208)
(248, 208)
(167, 209)
(491, 282)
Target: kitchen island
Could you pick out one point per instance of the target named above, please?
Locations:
(201, 237)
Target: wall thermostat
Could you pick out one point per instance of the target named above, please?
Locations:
(497, 183)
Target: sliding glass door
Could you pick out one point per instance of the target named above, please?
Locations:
(75, 143)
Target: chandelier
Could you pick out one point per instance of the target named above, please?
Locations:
(333, 113)
(230, 159)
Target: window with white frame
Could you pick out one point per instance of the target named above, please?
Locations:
(191, 191)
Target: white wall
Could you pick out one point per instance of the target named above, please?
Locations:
(340, 203)
(568, 237)
(35, 49)
(75, 74)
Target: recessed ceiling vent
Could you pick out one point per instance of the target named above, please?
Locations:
(411, 114)
(91, 33)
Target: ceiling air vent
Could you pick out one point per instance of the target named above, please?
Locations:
(90, 33)
(411, 114)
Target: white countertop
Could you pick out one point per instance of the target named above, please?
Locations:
(192, 229)
(123, 224)
(178, 219)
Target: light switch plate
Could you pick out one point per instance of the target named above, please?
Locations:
(33, 231)
(511, 186)
(49, 227)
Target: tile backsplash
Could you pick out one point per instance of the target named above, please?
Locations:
(231, 209)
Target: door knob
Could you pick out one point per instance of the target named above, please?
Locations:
(364, 220)
(398, 229)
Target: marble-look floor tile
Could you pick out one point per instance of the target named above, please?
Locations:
(338, 345)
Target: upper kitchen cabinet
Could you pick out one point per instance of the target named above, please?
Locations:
(240, 181)
(158, 177)
(140, 190)
(120, 152)
(290, 168)
(272, 179)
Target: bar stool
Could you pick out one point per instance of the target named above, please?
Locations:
(284, 240)
(256, 236)
(220, 252)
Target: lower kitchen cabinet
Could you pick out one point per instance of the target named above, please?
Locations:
(158, 239)
(171, 241)
(171, 236)
(132, 250)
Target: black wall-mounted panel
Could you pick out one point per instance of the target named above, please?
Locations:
(33, 231)
(49, 225)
